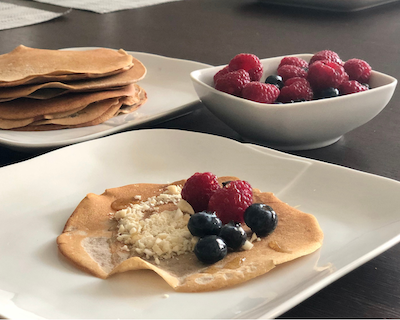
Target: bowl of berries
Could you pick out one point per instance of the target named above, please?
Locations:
(294, 102)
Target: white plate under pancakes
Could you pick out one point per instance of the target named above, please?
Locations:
(37, 197)
(170, 93)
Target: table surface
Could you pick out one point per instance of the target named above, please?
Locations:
(213, 31)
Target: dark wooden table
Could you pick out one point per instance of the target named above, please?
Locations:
(213, 31)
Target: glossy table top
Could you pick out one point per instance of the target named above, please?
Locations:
(213, 31)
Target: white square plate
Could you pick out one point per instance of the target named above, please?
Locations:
(38, 196)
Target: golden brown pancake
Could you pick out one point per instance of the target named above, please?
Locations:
(140, 98)
(30, 108)
(111, 107)
(52, 89)
(12, 124)
(26, 65)
(89, 241)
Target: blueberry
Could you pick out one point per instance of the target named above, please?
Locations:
(328, 93)
(204, 223)
(261, 219)
(366, 85)
(225, 183)
(275, 80)
(210, 249)
(234, 235)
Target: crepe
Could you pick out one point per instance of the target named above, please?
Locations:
(26, 65)
(111, 108)
(52, 89)
(89, 241)
(69, 109)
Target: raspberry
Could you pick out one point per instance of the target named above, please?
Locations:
(294, 61)
(230, 202)
(198, 189)
(288, 71)
(220, 73)
(249, 62)
(233, 82)
(326, 55)
(351, 86)
(298, 89)
(260, 92)
(324, 74)
(358, 70)
(296, 79)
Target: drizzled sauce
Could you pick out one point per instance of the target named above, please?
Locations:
(235, 263)
(123, 203)
(274, 245)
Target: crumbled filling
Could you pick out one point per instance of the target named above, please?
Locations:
(158, 236)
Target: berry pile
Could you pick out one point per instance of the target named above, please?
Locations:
(324, 76)
(220, 212)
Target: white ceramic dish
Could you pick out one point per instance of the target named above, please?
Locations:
(294, 126)
(337, 5)
(38, 196)
(170, 94)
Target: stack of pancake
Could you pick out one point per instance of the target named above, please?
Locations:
(58, 89)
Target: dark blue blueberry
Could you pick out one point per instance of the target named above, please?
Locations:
(210, 249)
(261, 219)
(225, 183)
(366, 85)
(204, 223)
(327, 93)
(275, 80)
(234, 235)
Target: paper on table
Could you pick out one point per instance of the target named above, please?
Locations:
(14, 16)
(104, 6)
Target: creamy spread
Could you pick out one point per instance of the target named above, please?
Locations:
(158, 236)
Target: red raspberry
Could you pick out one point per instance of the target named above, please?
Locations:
(358, 70)
(249, 62)
(260, 92)
(220, 73)
(298, 89)
(324, 74)
(233, 82)
(288, 71)
(326, 55)
(295, 79)
(230, 202)
(294, 61)
(198, 189)
(351, 86)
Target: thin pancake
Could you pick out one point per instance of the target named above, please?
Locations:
(130, 107)
(111, 112)
(52, 89)
(89, 113)
(26, 65)
(89, 241)
(29, 108)
(12, 124)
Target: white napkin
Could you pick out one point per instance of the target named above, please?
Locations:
(14, 16)
(104, 6)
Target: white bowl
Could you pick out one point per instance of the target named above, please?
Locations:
(294, 126)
